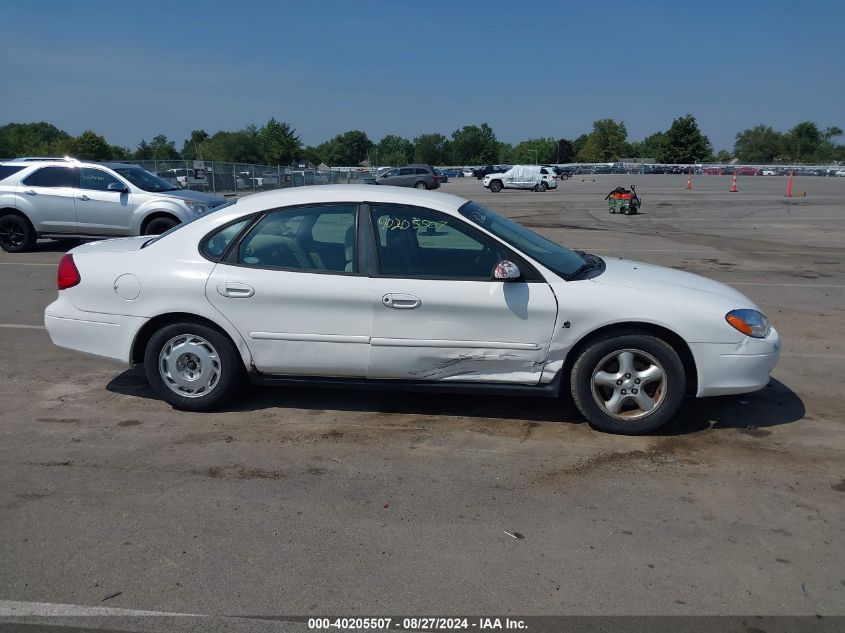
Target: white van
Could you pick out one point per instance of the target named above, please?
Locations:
(533, 177)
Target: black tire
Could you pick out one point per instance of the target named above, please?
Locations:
(667, 397)
(159, 225)
(542, 186)
(16, 234)
(613, 210)
(231, 378)
(496, 186)
(421, 185)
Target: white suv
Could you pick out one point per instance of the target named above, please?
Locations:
(67, 198)
(532, 177)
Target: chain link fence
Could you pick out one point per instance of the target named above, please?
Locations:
(242, 178)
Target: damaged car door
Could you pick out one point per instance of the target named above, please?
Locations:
(437, 312)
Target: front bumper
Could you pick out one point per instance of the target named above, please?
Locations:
(731, 368)
(103, 336)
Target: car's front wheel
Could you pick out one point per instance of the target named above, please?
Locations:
(193, 367)
(16, 234)
(496, 186)
(157, 226)
(628, 383)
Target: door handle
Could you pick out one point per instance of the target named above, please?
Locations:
(84, 197)
(400, 301)
(235, 290)
(30, 192)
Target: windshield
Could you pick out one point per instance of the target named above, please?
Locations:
(155, 239)
(555, 257)
(145, 180)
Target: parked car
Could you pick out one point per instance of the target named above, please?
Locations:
(468, 172)
(442, 175)
(61, 198)
(769, 171)
(534, 177)
(185, 178)
(481, 172)
(418, 176)
(427, 291)
(748, 171)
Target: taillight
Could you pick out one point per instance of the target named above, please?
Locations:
(68, 273)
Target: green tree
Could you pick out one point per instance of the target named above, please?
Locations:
(685, 143)
(534, 150)
(120, 153)
(474, 145)
(723, 156)
(163, 149)
(144, 151)
(279, 143)
(192, 147)
(393, 150)
(431, 149)
(348, 149)
(236, 147)
(652, 146)
(760, 144)
(90, 146)
(606, 143)
(578, 144)
(32, 139)
(563, 152)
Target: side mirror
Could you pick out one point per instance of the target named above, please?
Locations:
(116, 186)
(506, 270)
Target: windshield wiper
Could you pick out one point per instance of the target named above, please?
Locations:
(590, 262)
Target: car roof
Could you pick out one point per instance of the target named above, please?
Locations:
(343, 193)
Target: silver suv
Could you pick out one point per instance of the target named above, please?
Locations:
(67, 198)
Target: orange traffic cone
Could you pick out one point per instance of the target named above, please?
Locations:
(733, 184)
(789, 185)
(689, 180)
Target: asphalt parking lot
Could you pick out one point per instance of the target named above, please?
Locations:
(317, 502)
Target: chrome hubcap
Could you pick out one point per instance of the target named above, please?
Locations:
(189, 365)
(629, 384)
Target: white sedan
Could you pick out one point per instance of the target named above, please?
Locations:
(399, 288)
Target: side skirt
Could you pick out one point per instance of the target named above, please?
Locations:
(551, 390)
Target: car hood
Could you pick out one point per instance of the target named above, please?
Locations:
(642, 276)
(207, 199)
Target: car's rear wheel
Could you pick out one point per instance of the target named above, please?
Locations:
(421, 185)
(193, 367)
(496, 186)
(157, 226)
(541, 186)
(628, 383)
(16, 234)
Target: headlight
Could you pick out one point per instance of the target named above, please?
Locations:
(749, 322)
(196, 207)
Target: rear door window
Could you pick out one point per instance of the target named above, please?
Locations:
(8, 170)
(54, 177)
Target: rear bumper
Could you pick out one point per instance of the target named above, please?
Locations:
(104, 336)
(730, 368)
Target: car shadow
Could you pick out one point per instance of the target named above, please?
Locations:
(774, 405)
(56, 246)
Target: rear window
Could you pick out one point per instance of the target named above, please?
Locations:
(8, 170)
(51, 177)
(423, 171)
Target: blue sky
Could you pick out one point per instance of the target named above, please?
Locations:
(131, 70)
